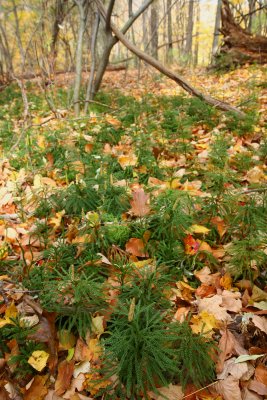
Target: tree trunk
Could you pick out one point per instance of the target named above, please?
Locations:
(189, 32)
(239, 46)
(170, 45)
(79, 56)
(196, 46)
(216, 34)
(154, 30)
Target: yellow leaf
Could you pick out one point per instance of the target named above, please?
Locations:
(38, 359)
(97, 325)
(204, 323)
(198, 229)
(11, 311)
(127, 160)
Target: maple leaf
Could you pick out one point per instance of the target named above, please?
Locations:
(191, 245)
(140, 208)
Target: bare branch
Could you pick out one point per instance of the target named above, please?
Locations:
(109, 13)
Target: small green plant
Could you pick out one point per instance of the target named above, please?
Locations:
(146, 352)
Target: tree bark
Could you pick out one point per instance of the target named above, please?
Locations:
(154, 29)
(216, 33)
(169, 26)
(110, 42)
(189, 32)
(79, 56)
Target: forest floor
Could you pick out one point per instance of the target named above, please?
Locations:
(133, 243)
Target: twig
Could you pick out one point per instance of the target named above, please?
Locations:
(256, 190)
(199, 390)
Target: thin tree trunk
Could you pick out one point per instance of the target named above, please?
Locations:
(154, 30)
(196, 47)
(189, 31)
(89, 93)
(79, 56)
(217, 25)
(109, 43)
(169, 19)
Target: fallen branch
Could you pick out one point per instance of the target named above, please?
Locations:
(167, 72)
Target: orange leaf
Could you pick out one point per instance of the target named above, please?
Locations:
(191, 245)
(136, 247)
(139, 203)
(65, 371)
(220, 225)
(261, 374)
(37, 390)
(226, 281)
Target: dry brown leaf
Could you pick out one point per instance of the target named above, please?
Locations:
(231, 301)
(258, 387)
(236, 370)
(136, 247)
(258, 294)
(76, 384)
(171, 392)
(213, 305)
(228, 346)
(139, 203)
(261, 374)
(38, 389)
(205, 290)
(248, 395)
(260, 322)
(51, 395)
(229, 389)
(65, 371)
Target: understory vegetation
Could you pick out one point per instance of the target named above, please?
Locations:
(109, 223)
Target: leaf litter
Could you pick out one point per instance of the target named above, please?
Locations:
(208, 289)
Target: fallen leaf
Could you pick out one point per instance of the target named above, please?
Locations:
(228, 346)
(139, 203)
(213, 305)
(204, 323)
(220, 225)
(198, 229)
(83, 367)
(248, 357)
(171, 392)
(261, 374)
(237, 371)
(248, 395)
(258, 387)
(258, 294)
(38, 359)
(260, 322)
(226, 281)
(127, 160)
(229, 388)
(231, 301)
(191, 245)
(136, 247)
(38, 389)
(65, 372)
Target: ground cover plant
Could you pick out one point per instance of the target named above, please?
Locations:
(133, 246)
